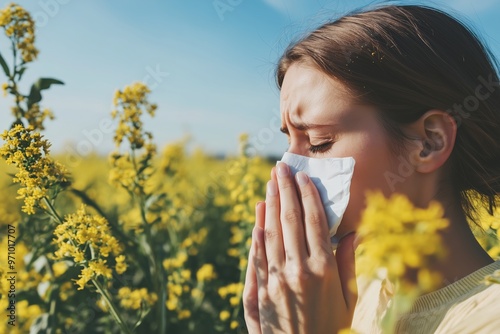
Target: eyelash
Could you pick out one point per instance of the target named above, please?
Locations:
(322, 148)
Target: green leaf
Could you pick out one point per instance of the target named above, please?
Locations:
(39, 85)
(21, 72)
(45, 83)
(34, 96)
(4, 66)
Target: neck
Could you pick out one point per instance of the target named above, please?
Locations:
(464, 254)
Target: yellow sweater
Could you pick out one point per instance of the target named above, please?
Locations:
(465, 306)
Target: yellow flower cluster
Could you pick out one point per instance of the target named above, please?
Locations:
(39, 175)
(172, 159)
(245, 188)
(488, 231)
(232, 291)
(130, 104)
(193, 240)
(176, 262)
(26, 314)
(121, 265)
(9, 210)
(136, 298)
(206, 273)
(398, 236)
(93, 269)
(123, 173)
(245, 184)
(179, 284)
(20, 28)
(130, 170)
(81, 234)
(36, 117)
(175, 290)
(225, 315)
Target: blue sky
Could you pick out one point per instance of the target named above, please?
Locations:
(213, 68)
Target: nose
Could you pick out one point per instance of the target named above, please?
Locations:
(296, 149)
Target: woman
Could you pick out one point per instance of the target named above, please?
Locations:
(390, 86)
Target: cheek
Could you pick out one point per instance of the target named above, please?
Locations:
(373, 163)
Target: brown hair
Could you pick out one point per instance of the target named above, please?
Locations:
(406, 60)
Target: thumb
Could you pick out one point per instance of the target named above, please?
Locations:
(347, 270)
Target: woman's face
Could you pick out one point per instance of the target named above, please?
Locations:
(321, 122)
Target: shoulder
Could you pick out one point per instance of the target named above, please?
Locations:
(476, 314)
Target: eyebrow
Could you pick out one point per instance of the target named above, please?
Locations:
(302, 127)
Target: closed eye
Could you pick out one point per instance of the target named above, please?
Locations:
(321, 148)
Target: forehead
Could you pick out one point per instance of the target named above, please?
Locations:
(310, 95)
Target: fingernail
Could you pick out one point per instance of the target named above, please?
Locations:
(283, 169)
(302, 178)
(272, 188)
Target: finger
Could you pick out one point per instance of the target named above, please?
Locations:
(291, 215)
(347, 270)
(250, 290)
(316, 225)
(259, 259)
(274, 176)
(275, 252)
(260, 214)
(250, 297)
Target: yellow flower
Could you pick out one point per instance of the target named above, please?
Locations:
(186, 274)
(172, 302)
(234, 324)
(184, 314)
(173, 158)
(20, 28)
(59, 268)
(176, 262)
(81, 231)
(206, 273)
(36, 117)
(5, 87)
(234, 301)
(86, 275)
(130, 105)
(135, 299)
(224, 315)
(40, 177)
(196, 293)
(121, 266)
(398, 236)
(65, 291)
(133, 171)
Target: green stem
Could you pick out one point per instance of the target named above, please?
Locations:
(53, 301)
(159, 284)
(112, 307)
(236, 310)
(52, 211)
(14, 83)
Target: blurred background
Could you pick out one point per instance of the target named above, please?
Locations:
(183, 218)
(210, 64)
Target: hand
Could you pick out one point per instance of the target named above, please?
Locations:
(294, 282)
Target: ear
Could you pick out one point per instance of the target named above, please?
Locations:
(435, 133)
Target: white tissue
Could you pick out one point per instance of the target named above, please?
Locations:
(332, 177)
